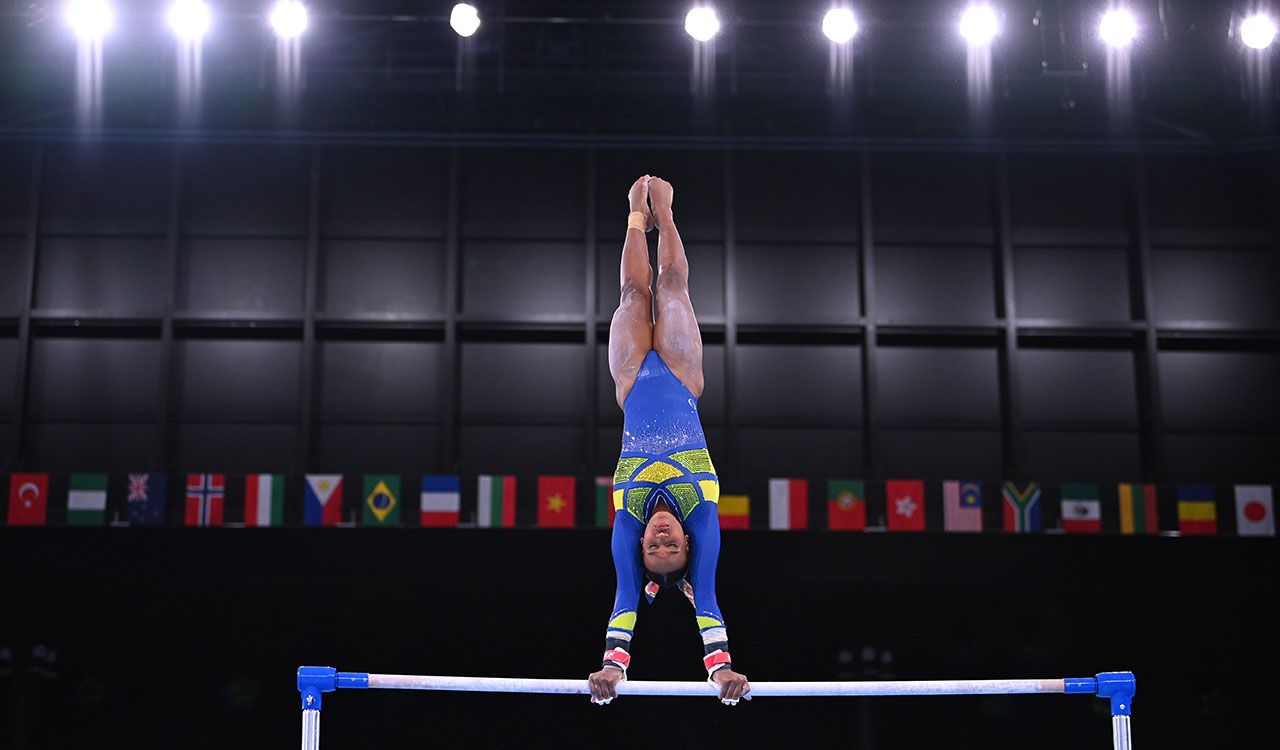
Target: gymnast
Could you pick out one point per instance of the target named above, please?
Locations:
(665, 489)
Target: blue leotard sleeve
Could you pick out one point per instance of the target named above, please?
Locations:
(703, 525)
(627, 532)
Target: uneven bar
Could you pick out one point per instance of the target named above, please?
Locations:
(1117, 687)
(758, 689)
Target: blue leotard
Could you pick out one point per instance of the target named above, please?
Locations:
(664, 455)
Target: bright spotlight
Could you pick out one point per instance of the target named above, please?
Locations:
(189, 19)
(289, 19)
(702, 23)
(464, 19)
(90, 19)
(1118, 29)
(979, 25)
(839, 25)
(1258, 31)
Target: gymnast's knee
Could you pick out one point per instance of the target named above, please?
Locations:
(673, 279)
(635, 294)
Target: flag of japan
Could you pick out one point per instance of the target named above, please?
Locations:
(1254, 514)
(904, 504)
(788, 504)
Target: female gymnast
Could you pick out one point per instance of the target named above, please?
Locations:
(665, 489)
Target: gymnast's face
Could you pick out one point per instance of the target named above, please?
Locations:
(664, 547)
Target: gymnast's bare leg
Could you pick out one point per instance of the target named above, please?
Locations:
(631, 332)
(676, 337)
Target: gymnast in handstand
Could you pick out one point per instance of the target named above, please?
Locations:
(666, 532)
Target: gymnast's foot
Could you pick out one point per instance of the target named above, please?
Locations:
(638, 196)
(661, 196)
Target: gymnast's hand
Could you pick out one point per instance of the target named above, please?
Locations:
(638, 197)
(604, 684)
(733, 686)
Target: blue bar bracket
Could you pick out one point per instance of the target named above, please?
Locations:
(315, 681)
(1119, 687)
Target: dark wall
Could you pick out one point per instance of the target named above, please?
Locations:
(365, 309)
(254, 307)
(191, 637)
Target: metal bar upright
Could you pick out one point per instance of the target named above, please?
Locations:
(1119, 687)
(1121, 738)
(310, 729)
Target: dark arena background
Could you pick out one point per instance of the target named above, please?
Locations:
(1044, 261)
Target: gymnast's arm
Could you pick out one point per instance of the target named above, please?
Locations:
(627, 531)
(704, 527)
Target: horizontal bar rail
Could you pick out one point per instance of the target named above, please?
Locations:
(758, 689)
(1119, 687)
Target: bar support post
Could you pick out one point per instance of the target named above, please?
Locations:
(1119, 687)
(313, 682)
(310, 729)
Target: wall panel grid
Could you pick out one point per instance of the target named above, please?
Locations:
(293, 308)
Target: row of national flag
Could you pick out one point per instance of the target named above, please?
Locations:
(142, 499)
(1021, 507)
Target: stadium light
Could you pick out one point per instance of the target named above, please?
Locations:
(1258, 31)
(979, 25)
(702, 23)
(189, 19)
(464, 19)
(839, 25)
(289, 19)
(1118, 28)
(90, 19)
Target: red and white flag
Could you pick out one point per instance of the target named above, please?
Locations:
(1081, 516)
(1254, 513)
(205, 495)
(1081, 508)
(788, 504)
(904, 504)
(28, 499)
(961, 506)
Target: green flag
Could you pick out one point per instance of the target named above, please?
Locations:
(381, 500)
(604, 501)
(87, 500)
